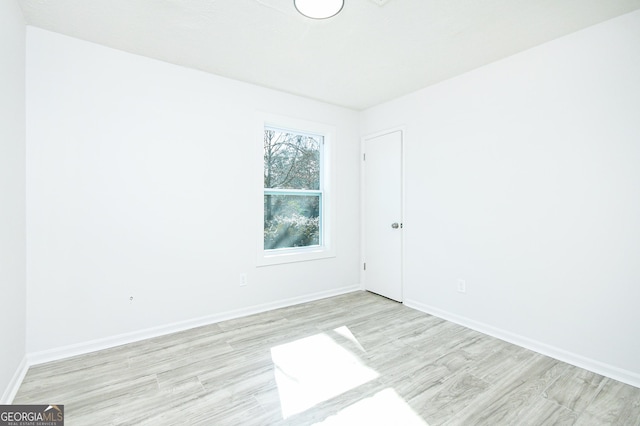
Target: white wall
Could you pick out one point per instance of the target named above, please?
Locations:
(142, 180)
(12, 196)
(523, 178)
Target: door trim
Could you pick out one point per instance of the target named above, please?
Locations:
(363, 140)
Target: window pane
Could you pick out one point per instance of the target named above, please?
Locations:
(291, 221)
(291, 160)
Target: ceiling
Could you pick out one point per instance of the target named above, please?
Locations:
(373, 51)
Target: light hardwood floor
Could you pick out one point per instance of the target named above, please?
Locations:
(356, 359)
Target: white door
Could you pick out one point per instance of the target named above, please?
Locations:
(383, 215)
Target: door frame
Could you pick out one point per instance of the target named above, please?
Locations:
(363, 254)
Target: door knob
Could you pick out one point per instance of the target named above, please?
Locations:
(395, 225)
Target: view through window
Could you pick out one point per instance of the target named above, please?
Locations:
(293, 192)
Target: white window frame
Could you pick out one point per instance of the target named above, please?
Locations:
(326, 248)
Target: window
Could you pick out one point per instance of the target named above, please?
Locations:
(292, 189)
(295, 219)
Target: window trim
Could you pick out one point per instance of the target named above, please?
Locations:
(326, 249)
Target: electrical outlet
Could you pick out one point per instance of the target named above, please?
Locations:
(243, 279)
(462, 286)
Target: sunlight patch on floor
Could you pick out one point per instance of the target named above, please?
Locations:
(384, 408)
(315, 369)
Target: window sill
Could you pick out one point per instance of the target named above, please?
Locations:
(281, 256)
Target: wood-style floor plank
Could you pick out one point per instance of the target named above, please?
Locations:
(352, 359)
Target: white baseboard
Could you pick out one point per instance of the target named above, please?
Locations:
(621, 375)
(13, 386)
(110, 342)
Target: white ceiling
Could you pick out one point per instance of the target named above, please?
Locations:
(373, 51)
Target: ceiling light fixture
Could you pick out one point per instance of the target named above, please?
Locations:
(319, 9)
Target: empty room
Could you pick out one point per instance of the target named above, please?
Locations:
(296, 212)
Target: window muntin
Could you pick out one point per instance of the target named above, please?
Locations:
(293, 189)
